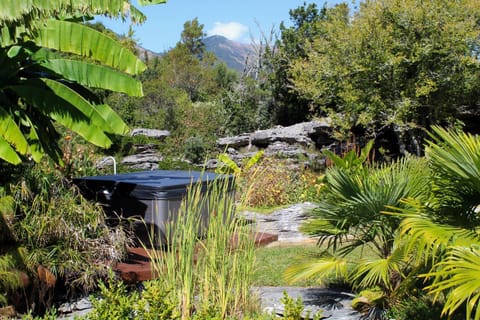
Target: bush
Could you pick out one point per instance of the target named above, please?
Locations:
(55, 235)
(272, 182)
(194, 150)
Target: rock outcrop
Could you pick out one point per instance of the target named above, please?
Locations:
(298, 143)
(146, 157)
(150, 133)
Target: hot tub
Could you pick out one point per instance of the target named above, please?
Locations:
(151, 198)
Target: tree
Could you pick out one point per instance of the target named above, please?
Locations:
(192, 37)
(399, 64)
(189, 67)
(290, 106)
(50, 60)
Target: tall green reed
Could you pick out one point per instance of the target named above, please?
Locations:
(208, 263)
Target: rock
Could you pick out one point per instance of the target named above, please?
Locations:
(284, 222)
(325, 303)
(151, 133)
(145, 148)
(300, 133)
(283, 149)
(75, 309)
(83, 304)
(211, 164)
(299, 143)
(143, 161)
(235, 141)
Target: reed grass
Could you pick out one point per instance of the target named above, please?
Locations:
(208, 262)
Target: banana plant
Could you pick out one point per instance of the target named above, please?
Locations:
(227, 165)
(51, 61)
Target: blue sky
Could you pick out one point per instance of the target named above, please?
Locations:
(238, 20)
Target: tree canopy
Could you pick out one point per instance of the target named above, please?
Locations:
(406, 63)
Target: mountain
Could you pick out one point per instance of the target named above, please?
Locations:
(234, 54)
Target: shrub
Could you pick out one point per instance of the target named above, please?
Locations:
(56, 236)
(194, 149)
(273, 182)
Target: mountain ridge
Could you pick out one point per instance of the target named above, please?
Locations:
(233, 53)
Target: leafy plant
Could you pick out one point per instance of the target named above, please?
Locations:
(228, 166)
(114, 301)
(442, 234)
(44, 83)
(294, 309)
(351, 160)
(194, 149)
(350, 217)
(55, 235)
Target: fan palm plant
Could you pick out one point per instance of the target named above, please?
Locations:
(50, 60)
(349, 218)
(444, 232)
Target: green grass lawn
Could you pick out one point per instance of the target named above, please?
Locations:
(271, 262)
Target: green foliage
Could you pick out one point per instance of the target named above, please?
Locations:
(417, 308)
(54, 235)
(351, 160)
(51, 314)
(208, 276)
(247, 104)
(194, 150)
(405, 63)
(448, 247)
(228, 166)
(455, 159)
(9, 277)
(372, 303)
(349, 217)
(117, 301)
(44, 80)
(294, 309)
(271, 262)
(290, 106)
(114, 302)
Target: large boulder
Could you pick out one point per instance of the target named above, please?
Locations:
(298, 144)
(151, 133)
(306, 134)
(146, 157)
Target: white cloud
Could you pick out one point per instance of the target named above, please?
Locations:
(230, 30)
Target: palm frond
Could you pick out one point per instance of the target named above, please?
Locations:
(456, 155)
(381, 271)
(458, 275)
(428, 238)
(319, 268)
